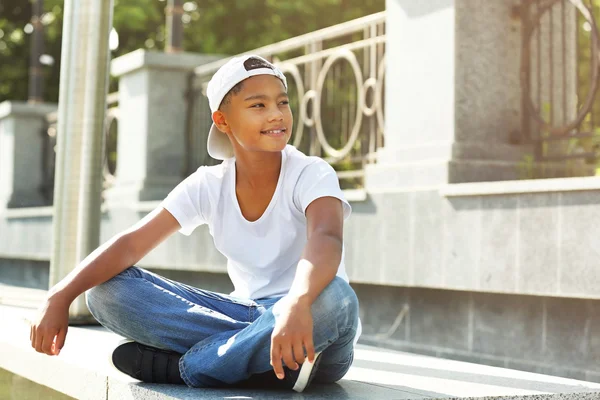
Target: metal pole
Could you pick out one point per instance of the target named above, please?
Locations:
(81, 115)
(174, 11)
(36, 78)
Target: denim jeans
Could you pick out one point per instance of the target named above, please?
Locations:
(224, 340)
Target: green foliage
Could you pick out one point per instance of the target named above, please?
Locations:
(14, 45)
(526, 168)
(211, 26)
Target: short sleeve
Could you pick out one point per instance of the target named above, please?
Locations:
(318, 179)
(188, 202)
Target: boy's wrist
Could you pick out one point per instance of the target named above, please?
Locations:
(60, 294)
(300, 299)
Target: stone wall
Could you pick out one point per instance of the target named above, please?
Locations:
(525, 237)
(548, 335)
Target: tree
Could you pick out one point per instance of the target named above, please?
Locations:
(210, 26)
(14, 48)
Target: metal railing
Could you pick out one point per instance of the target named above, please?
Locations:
(559, 79)
(336, 86)
(109, 164)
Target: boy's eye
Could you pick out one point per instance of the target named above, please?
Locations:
(257, 105)
(285, 102)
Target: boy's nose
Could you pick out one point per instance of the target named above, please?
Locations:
(276, 115)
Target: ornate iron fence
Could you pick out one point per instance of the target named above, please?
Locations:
(559, 79)
(109, 164)
(336, 85)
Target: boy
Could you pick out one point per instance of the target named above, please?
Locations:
(276, 214)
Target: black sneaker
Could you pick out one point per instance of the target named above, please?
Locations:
(296, 380)
(147, 364)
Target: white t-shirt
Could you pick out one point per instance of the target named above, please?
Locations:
(261, 255)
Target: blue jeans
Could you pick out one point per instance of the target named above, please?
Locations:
(224, 340)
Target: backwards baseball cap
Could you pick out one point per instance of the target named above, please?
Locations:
(233, 72)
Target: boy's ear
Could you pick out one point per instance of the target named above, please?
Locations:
(220, 121)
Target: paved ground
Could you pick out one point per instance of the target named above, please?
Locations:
(82, 371)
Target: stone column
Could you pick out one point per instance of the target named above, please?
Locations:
(152, 123)
(453, 94)
(21, 142)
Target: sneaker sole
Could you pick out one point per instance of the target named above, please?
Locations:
(304, 375)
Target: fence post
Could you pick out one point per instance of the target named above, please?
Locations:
(152, 123)
(453, 84)
(21, 142)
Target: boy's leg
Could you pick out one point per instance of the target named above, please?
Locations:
(232, 357)
(158, 312)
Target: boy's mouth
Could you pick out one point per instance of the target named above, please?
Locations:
(274, 132)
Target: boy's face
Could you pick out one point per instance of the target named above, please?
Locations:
(258, 118)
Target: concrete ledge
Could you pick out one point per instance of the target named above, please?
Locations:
(27, 212)
(152, 59)
(83, 371)
(354, 195)
(539, 240)
(521, 187)
(20, 108)
(24, 257)
(137, 206)
(450, 150)
(21, 297)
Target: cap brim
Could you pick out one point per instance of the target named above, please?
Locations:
(218, 146)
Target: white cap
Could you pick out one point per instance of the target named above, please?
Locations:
(233, 72)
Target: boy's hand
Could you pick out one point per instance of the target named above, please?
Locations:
(292, 334)
(49, 330)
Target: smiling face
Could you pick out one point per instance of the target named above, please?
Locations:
(258, 117)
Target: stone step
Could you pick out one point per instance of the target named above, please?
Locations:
(82, 371)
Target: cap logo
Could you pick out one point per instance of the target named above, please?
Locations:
(256, 63)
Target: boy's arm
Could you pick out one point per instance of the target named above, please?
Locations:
(323, 252)
(293, 332)
(117, 254)
(48, 331)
